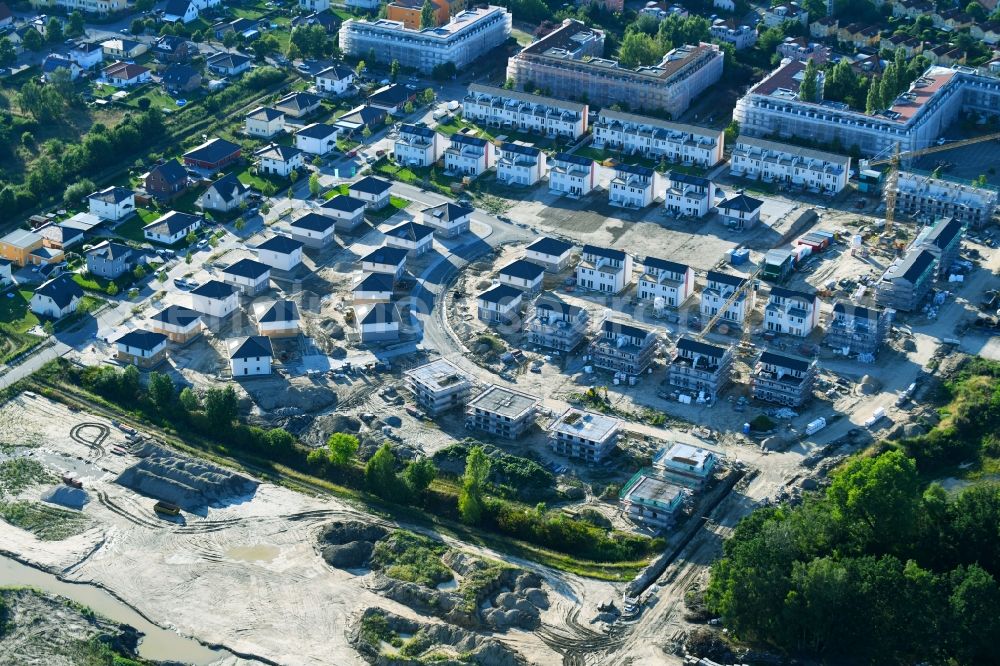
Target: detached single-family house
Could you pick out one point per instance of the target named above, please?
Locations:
(123, 49)
(180, 78)
(18, 245)
(250, 357)
(571, 175)
(385, 259)
(317, 138)
(373, 288)
(632, 186)
(280, 252)
(298, 104)
(346, 211)
(224, 195)
(213, 155)
(500, 304)
(741, 211)
(314, 230)
(87, 54)
(124, 75)
(56, 298)
(413, 237)
(447, 219)
(523, 274)
(215, 299)
(166, 180)
(249, 276)
(264, 122)
(360, 117)
(392, 98)
(55, 61)
(110, 260)
(279, 320)
(171, 228)
(280, 160)
(552, 253)
(144, 349)
(335, 80)
(172, 48)
(180, 11)
(378, 322)
(373, 191)
(112, 203)
(228, 64)
(178, 323)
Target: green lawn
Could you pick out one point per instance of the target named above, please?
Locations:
(132, 229)
(14, 313)
(396, 204)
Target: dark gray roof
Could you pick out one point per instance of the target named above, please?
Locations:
(313, 222)
(248, 268)
(253, 347)
(215, 289)
(447, 212)
(228, 187)
(176, 7)
(665, 265)
(553, 303)
(375, 282)
(381, 313)
(392, 256)
(280, 311)
(316, 131)
(520, 149)
(550, 246)
(172, 222)
(344, 203)
(635, 169)
(179, 74)
(789, 361)
(413, 231)
(914, 264)
(468, 140)
(299, 100)
(172, 171)
(266, 114)
(228, 60)
(336, 71)
(523, 269)
(574, 159)
(698, 347)
(391, 95)
(606, 252)
(113, 195)
(371, 185)
(742, 202)
(280, 244)
(725, 278)
(142, 339)
(678, 177)
(944, 232)
(416, 129)
(616, 327)
(177, 315)
(843, 307)
(781, 292)
(61, 290)
(110, 250)
(212, 151)
(500, 294)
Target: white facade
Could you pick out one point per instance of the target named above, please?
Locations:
(336, 80)
(520, 165)
(419, 146)
(791, 312)
(281, 161)
(171, 228)
(771, 161)
(112, 204)
(632, 186)
(315, 5)
(46, 306)
(688, 196)
(219, 303)
(654, 138)
(741, 37)
(603, 269)
(468, 156)
(264, 122)
(571, 175)
(316, 139)
(719, 287)
(524, 112)
(250, 366)
(934, 198)
(667, 283)
(281, 258)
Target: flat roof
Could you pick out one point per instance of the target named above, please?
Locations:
(654, 490)
(683, 454)
(504, 402)
(439, 374)
(588, 425)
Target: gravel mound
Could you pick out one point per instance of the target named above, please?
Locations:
(349, 544)
(190, 484)
(71, 498)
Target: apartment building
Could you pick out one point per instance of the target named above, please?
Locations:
(700, 368)
(654, 138)
(688, 196)
(774, 162)
(571, 175)
(914, 120)
(775, 16)
(858, 331)
(604, 269)
(418, 146)
(797, 48)
(556, 324)
(586, 435)
(100, 7)
(943, 239)
(791, 312)
(518, 164)
(665, 283)
(469, 155)
(924, 197)
(502, 412)
(718, 289)
(623, 347)
(466, 37)
(740, 36)
(524, 112)
(685, 465)
(632, 186)
(568, 63)
(782, 378)
(652, 500)
(907, 281)
(438, 386)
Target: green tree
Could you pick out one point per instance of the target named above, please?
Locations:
(427, 15)
(189, 400)
(394, 70)
(293, 176)
(639, 49)
(408, 108)
(229, 39)
(54, 31)
(221, 407)
(188, 257)
(314, 186)
(139, 272)
(138, 27)
(732, 132)
(470, 499)
(75, 27)
(980, 180)
(161, 276)
(808, 90)
(429, 96)
(111, 289)
(8, 56)
(190, 238)
(419, 474)
(73, 194)
(33, 40)
(874, 102)
(161, 391)
(360, 68)
(341, 447)
(380, 473)
(366, 132)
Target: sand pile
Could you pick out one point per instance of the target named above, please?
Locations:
(71, 498)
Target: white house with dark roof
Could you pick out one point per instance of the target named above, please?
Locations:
(279, 319)
(632, 186)
(943, 239)
(663, 282)
(87, 54)
(604, 269)
(699, 368)
(418, 146)
(251, 356)
(373, 288)
(224, 195)
(654, 138)
(718, 289)
(385, 259)
(447, 219)
(112, 203)
(228, 64)
(249, 276)
(280, 160)
(377, 322)
(178, 323)
(373, 191)
(171, 227)
(552, 253)
(469, 155)
(557, 324)
(336, 80)
(791, 312)
(413, 237)
(215, 299)
(56, 298)
(317, 138)
(522, 274)
(264, 122)
(571, 175)
(313, 230)
(500, 304)
(143, 349)
(785, 379)
(298, 104)
(280, 252)
(688, 196)
(347, 212)
(741, 211)
(180, 11)
(110, 260)
(774, 162)
(524, 112)
(518, 164)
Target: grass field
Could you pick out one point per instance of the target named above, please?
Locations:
(15, 322)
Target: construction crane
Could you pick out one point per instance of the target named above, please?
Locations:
(893, 173)
(733, 297)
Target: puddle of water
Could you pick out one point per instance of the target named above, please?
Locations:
(448, 585)
(259, 553)
(157, 644)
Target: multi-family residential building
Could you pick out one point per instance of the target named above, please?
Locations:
(650, 499)
(661, 10)
(467, 36)
(571, 175)
(112, 203)
(797, 48)
(791, 312)
(568, 63)
(655, 138)
(775, 16)
(524, 112)
(686, 465)
(915, 119)
(522, 274)
(858, 331)
(604, 269)
(783, 378)
(502, 412)
(448, 219)
(418, 146)
(518, 164)
(771, 162)
(469, 155)
(623, 347)
(666, 283)
(925, 197)
(718, 289)
(907, 280)
(741, 36)
(336, 80)
(556, 324)
(101, 7)
(688, 196)
(500, 304)
(943, 239)
(741, 212)
(586, 435)
(438, 386)
(552, 253)
(699, 367)
(632, 186)
(410, 12)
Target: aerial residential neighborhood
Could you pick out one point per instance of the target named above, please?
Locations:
(421, 331)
